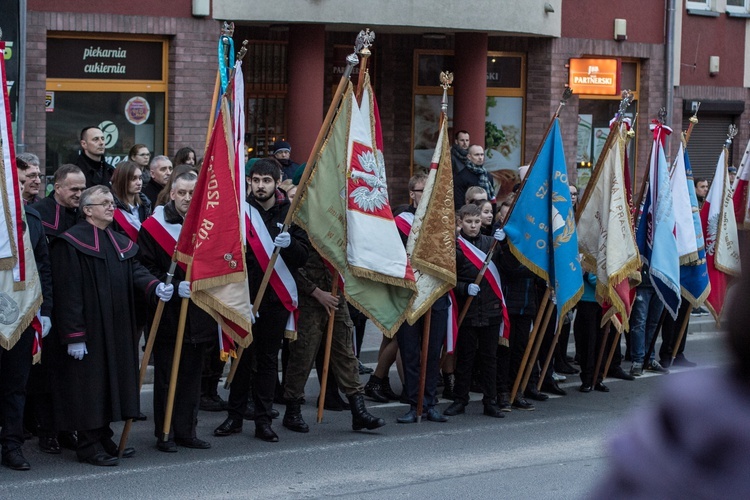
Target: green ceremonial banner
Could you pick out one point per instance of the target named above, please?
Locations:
(322, 213)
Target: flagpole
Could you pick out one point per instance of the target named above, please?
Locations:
(615, 345)
(364, 54)
(327, 348)
(602, 347)
(147, 355)
(227, 30)
(627, 98)
(542, 309)
(548, 360)
(538, 335)
(351, 61)
(681, 335)
(563, 101)
(423, 362)
(176, 359)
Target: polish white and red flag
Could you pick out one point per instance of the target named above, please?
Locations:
(720, 231)
(740, 195)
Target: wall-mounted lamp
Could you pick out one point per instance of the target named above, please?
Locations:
(548, 8)
(201, 8)
(713, 65)
(621, 30)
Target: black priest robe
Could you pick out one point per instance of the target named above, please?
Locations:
(97, 276)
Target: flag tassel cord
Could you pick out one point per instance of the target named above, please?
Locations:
(147, 355)
(351, 61)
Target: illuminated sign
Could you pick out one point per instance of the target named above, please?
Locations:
(594, 76)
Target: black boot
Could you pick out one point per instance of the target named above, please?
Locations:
(361, 418)
(293, 418)
(387, 391)
(374, 389)
(449, 382)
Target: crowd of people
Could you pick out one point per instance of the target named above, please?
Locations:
(103, 242)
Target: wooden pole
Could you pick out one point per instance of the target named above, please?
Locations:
(549, 356)
(539, 336)
(681, 335)
(423, 362)
(176, 360)
(212, 114)
(527, 352)
(327, 350)
(146, 356)
(615, 345)
(604, 334)
(312, 159)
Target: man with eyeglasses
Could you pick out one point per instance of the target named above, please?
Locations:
(95, 339)
(29, 163)
(91, 159)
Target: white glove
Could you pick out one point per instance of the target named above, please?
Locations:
(254, 317)
(164, 292)
(473, 289)
(183, 289)
(283, 240)
(46, 325)
(77, 350)
(499, 235)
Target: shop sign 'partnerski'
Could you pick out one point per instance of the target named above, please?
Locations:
(594, 76)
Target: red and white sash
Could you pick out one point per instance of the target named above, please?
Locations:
(492, 276)
(164, 233)
(259, 242)
(126, 223)
(404, 220)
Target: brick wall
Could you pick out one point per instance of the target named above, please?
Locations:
(191, 69)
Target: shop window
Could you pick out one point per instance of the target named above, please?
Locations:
(504, 112)
(266, 80)
(118, 84)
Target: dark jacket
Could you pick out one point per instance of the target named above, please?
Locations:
(152, 190)
(519, 283)
(56, 219)
(200, 326)
(485, 308)
(295, 255)
(97, 173)
(41, 257)
(463, 178)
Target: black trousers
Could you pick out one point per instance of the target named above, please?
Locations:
(470, 340)
(187, 392)
(669, 331)
(409, 338)
(509, 358)
(15, 366)
(213, 368)
(90, 441)
(268, 333)
(588, 339)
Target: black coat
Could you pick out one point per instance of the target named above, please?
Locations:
(200, 326)
(97, 276)
(56, 219)
(485, 308)
(520, 285)
(41, 257)
(97, 173)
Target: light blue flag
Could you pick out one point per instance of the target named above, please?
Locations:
(694, 276)
(541, 228)
(656, 231)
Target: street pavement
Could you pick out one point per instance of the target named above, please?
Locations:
(557, 452)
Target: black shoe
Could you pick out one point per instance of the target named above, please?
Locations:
(49, 445)
(364, 370)
(293, 418)
(15, 460)
(211, 403)
(618, 372)
(101, 459)
(166, 446)
(361, 418)
(681, 360)
(68, 440)
(601, 387)
(521, 404)
(491, 410)
(503, 401)
(535, 395)
(456, 408)
(275, 413)
(193, 442)
(585, 388)
(409, 417)
(374, 390)
(553, 388)
(565, 368)
(434, 415)
(110, 448)
(264, 432)
(228, 427)
(385, 386)
(141, 417)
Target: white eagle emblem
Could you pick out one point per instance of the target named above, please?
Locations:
(711, 232)
(374, 196)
